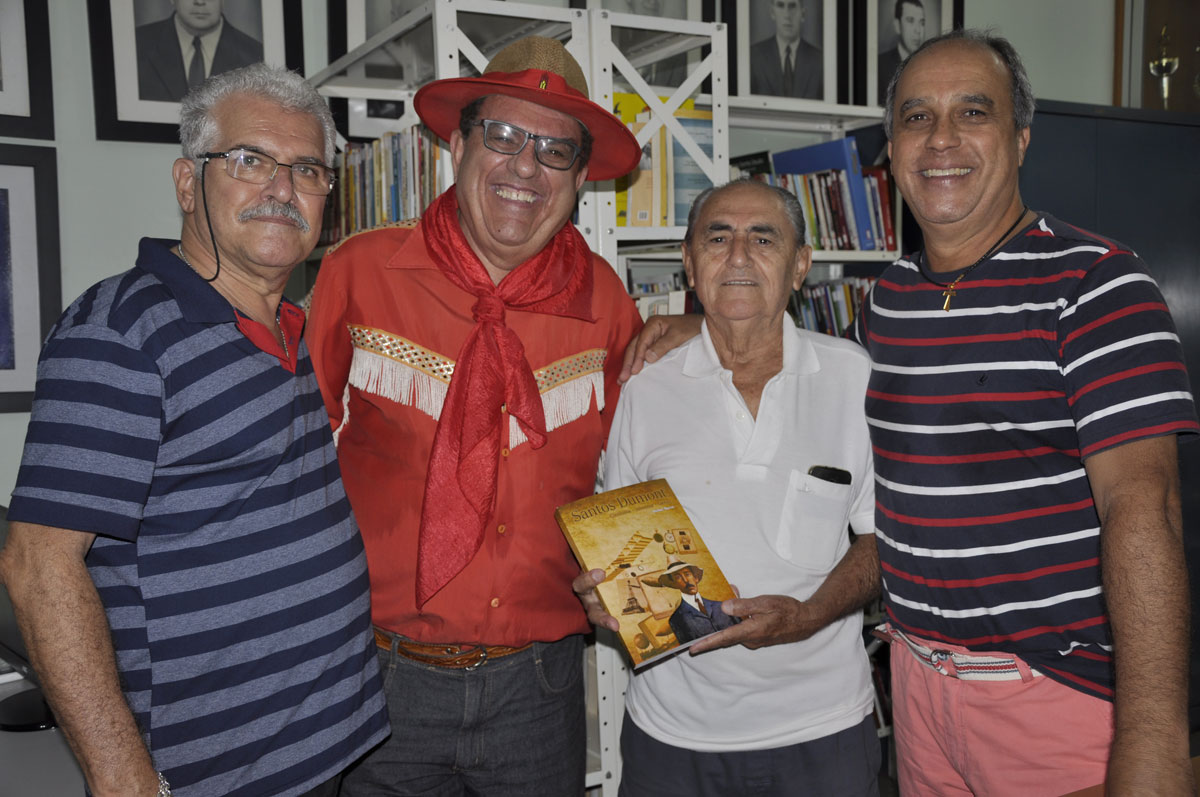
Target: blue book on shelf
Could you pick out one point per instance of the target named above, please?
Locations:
(837, 153)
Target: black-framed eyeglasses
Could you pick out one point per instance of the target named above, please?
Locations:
(555, 153)
(255, 167)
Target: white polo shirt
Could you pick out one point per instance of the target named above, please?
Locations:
(772, 527)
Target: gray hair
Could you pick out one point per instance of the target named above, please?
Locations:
(1022, 89)
(198, 129)
(791, 206)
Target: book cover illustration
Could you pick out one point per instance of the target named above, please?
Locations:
(661, 581)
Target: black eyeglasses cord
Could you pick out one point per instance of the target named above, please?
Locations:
(208, 219)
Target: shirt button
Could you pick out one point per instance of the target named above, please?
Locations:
(495, 603)
(741, 416)
(501, 528)
(504, 452)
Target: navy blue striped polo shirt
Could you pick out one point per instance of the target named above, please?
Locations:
(1058, 346)
(227, 559)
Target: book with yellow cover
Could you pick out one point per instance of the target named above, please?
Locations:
(639, 197)
(661, 582)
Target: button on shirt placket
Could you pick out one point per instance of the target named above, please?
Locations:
(501, 528)
(741, 421)
(757, 438)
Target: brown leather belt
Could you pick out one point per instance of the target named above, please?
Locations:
(451, 656)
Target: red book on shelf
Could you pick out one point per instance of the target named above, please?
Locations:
(885, 203)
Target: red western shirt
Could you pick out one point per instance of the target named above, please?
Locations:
(384, 329)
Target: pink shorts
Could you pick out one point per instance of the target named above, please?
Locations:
(958, 732)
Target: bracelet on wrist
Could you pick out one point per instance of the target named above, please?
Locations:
(164, 788)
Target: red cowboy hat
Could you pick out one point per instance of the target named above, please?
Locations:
(538, 70)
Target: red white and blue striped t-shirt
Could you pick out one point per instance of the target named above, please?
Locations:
(1058, 346)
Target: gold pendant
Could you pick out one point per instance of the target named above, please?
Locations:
(950, 293)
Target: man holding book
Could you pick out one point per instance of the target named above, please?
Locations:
(469, 364)
(753, 426)
(1027, 390)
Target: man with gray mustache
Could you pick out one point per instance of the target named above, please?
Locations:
(273, 208)
(182, 559)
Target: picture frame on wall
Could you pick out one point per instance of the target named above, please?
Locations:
(30, 276)
(143, 62)
(894, 28)
(26, 94)
(786, 49)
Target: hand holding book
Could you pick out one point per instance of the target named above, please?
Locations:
(649, 576)
(585, 589)
(766, 620)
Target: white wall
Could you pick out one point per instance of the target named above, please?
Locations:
(110, 193)
(1067, 45)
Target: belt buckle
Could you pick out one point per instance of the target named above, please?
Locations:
(939, 659)
(482, 660)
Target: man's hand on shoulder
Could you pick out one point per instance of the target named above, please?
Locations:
(660, 334)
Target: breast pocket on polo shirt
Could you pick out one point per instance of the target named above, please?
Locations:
(812, 528)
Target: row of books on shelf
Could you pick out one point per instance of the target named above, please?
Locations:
(832, 221)
(389, 179)
(830, 307)
(846, 206)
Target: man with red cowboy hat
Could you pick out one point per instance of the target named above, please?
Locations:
(469, 365)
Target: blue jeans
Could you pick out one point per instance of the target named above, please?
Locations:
(515, 726)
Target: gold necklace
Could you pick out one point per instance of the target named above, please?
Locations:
(950, 293)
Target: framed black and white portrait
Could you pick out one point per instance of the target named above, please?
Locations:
(787, 48)
(30, 280)
(26, 97)
(146, 54)
(900, 26)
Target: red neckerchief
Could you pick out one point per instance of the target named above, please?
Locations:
(490, 371)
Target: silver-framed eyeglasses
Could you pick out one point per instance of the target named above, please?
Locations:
(554, 153)
(258, 168)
